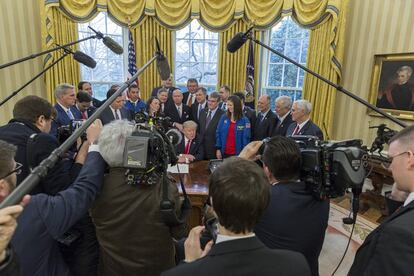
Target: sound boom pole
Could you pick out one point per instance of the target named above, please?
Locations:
(41, 170)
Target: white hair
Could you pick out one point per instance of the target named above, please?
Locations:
(407, 69)
(190, 124)
(286, 101)
(112, 141)
(304, 105)
(61, 89)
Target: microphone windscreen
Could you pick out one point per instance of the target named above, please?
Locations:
(113, 45)
(163, 67)
(174, 135)
(236, 42)
(84, 59)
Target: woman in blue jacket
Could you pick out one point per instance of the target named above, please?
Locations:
(233, 130)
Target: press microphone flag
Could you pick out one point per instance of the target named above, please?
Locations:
(162, 63)
(238, 40)
(109, 42)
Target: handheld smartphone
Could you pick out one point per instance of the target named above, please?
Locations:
(212, 228)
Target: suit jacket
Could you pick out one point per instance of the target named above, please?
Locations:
(208, 135)
(388, 250)
(251, 115)
(194, 112)
(62, 118)
(281, 127)
(97, 103)
(78, 115)
(308, 129)
(171, 111)
(186, 94)
(48, 217)
(196, 148)
(247, 256)
(264, 127)
(107, 115)
(277, 229)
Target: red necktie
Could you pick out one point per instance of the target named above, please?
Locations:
(187, 147)
(296, 131)
(83, 115)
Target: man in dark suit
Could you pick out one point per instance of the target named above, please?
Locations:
(388, 250)
(209, 119)
(190, 148)
(248, 112)
(177, 111)
(87, 87)
(239, 193)
(302, 125)
(265, 121)
(283, 105)
(83, 107)
(290, 198)
(224, 92)
(189, 97)
(200, 104)
(167, 84)
(65, 102)
(116, 111)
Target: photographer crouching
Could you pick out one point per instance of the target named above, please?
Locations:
(134, 238)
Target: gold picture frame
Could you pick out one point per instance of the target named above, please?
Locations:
(392, 85)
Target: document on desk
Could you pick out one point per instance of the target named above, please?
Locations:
(179, 168)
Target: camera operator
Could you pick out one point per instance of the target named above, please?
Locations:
(294, 220)
(47, 217)
(9, 169)
(133, 237)
(239, 193)
(34, 115)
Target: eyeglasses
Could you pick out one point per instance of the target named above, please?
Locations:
(390, 158)
(17, 170)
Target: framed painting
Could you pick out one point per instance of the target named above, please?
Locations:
(392, 85)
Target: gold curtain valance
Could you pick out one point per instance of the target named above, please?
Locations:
(216, 15)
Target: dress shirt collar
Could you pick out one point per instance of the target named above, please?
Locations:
(409, 199)
(283, 117)
(302, 124)
(224, 238)
(64, 108)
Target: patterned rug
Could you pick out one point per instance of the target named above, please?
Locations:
(362, 228)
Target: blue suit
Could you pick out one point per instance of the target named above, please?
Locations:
(141, 105)
(47, 218)
(62, 118)
(242, 133)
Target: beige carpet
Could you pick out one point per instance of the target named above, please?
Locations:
(336, 239)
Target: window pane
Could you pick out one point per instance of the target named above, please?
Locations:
(109, 66)
(196, 53)
(283, 77)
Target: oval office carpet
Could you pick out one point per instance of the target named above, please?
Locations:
(336, 239)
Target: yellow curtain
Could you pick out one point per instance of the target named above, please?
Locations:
(144, 37)
(328, 39)
(58, 29)
(232, 66)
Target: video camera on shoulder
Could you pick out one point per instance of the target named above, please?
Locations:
(329, 168)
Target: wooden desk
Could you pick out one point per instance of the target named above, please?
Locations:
(379, 176)
(196, 186)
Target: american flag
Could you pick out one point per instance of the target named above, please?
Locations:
(132, 67)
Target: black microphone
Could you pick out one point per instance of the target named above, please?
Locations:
(238, 40)
(81, 57)
(109, 42)
(162, 63)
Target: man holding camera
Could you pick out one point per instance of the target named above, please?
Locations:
(239, 193)
(294, 220)
(133, 236)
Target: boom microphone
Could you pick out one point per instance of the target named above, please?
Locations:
(238, 40)
(109, 42)
(81, 57)
(162, 63)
